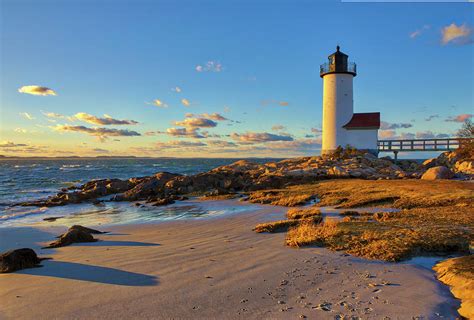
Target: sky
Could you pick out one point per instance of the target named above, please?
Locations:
(222, 78)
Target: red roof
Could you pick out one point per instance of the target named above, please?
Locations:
(370, 120)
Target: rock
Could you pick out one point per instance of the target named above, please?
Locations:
(163, 202)
(18, 259)
(85, 229)
(466, 167)
(151, 186)
(118, 186)
(430, 163)
(51, 219)
(436, 173)
(70, 237)
(338, 172)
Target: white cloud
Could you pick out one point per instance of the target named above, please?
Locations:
(455, 34)
(20, 130)
(107, 120)
(185, 102)
(37, 91)
(26, 115)
(259, 137)
(210, 66)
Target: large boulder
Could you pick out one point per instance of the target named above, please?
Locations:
(18, 259)
(439, 172)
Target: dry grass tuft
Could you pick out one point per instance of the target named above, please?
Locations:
(311, 233)
(219, 197)
(285, 197)
(403, 194)
(300, 213)
(401, 236)
(283, 225)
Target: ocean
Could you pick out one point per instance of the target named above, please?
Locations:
(29, 179)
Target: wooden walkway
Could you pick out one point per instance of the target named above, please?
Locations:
(417, 145)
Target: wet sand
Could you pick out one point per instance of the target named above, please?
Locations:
(210, 269)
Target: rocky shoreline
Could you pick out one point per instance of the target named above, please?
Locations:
(244, 176)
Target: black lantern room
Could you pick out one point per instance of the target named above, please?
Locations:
(338, 63)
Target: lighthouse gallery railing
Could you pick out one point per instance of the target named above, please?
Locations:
(326, 68)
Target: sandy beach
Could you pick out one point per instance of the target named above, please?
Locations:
(215, 268)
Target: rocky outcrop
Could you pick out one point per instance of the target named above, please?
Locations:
(148, 187)
(460, 162)
(164, 187)
(436, 173)
(18, 259)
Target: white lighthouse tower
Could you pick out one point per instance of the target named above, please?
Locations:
(341, 127)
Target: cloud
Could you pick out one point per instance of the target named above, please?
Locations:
(52, 115)
(185, 102)
(418, 32)
(256, 137)
(196, 123)
(158, 103)
(184, 132)
(10, 144)
(213, 116)
(431, 117)
(390, 126)
(176, 89)
(179, 144)
(430, 135)
(99, 150)
(459, 117)
(455, 34)
(101, 133)
(107, 120)
(221, 144)
(387, 134)
(26, 115)
(210, 66)
(391, 134)
(278, 127)
(37, 91)
(20, 130)
(275, 103)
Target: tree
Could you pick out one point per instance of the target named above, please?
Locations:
(467, 129)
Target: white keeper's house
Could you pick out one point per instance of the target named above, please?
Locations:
(341, 126)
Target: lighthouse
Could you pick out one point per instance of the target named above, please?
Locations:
(341, 126)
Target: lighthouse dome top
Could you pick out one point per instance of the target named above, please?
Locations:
(338, 63)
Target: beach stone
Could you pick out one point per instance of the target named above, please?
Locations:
(163, 202)
(18, 259)
(85, 229)
(70, 237)
(436, 173)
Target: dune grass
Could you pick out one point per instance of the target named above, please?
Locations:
(436, 217)
(300, 213)
(356, 193)
(393, 236)
(282, 197)
(284, 225)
